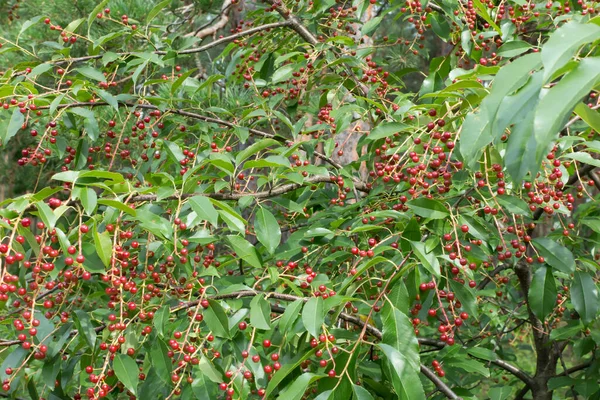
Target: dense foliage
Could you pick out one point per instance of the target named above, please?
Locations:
(299, 199)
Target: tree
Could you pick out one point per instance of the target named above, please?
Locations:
(245, 200)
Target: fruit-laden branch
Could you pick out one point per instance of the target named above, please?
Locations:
(258, 195)
(585, 170)
(192, 50)
(304, 33)
(194, 116)
(355, 320)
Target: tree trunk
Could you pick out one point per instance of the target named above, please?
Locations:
(546, 355)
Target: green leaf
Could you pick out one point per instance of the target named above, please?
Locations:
(360, 393)
(513, 48)
(216, 319)
(245, 250)
(32, 390)
(160, 320)
(233, 220)
(202, 387)
(591, 117)
(371, 25)
(84, 326)
(399, 333)
(403, 376)
(466, 296)
(174, 151)
(255, 148)
(282, 74)
(267, 229)
(46, 214)
(564, 43)
(118, 205)
(515, 108)
(98, 9)
(556, 106)
(111, 176)
(428, 259)
(177, 84)
(428, 208)
(514, 205)
(483, 13)
(92, 73)
(39, 70)
(313, 316)
(73, 25)
(468, 365)
(555, 255)
(28, 24)
(542, 293)
(209, 370)
(160, 361)
(204, 208)
(566, 332)
(583, 158)
(584, 296)
(156, 10)
(287, 368)
(289, 316)
(13, 360)
(136, 74)
(103, 244)
(386, 129)
(154, 223)
(522, 145)
(55, 103)
(295, 391)
(109, 98)
(89, 123)
(222, 162)
(16, 122)
(482, 353)
(126, 370)
(89, 200)
(260, 313)
(476, 129)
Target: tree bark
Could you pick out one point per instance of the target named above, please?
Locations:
(546, 355)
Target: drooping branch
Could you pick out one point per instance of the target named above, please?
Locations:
(193, 50)
(355, 320)
(586, 169)
(257, 195)
(198, 117)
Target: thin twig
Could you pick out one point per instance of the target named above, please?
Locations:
(193, 50)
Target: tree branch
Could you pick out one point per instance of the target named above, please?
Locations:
(205, 31)
(293, 21)
(258, 195)
(522, 375)
(193, 50)
(439, 383)
(198, 117)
